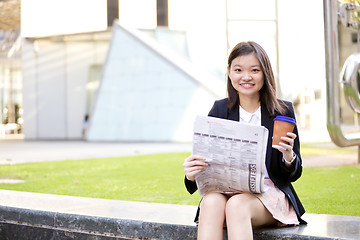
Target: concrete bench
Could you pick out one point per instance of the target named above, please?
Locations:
(26, 215)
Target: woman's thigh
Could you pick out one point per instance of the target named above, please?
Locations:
(248, 206)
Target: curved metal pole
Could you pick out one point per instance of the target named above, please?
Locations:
(332, 76)
(349, 80)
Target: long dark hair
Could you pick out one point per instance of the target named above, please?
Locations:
(268, 91)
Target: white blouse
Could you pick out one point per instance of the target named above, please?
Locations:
(250, 118)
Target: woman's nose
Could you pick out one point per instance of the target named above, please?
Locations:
(246, 76)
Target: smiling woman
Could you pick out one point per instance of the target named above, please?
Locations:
(251, 100)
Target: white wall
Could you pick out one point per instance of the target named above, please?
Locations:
(79, 57)
(30, 96)
(51, 90)
(44, 91)
(54, 77)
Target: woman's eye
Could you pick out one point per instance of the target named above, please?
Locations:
(256, 70)
(237, 70)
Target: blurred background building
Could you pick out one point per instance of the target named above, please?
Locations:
(141, 70)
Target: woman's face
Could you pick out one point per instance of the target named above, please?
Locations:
(246, 76)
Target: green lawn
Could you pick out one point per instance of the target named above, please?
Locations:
(159, 178)
(330, 190)
(150, 178)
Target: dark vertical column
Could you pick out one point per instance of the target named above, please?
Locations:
(162, 13)
(112, 11)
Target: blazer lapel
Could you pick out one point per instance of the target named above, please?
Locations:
(233, 114)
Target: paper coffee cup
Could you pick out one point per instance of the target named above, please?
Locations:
(282, 125)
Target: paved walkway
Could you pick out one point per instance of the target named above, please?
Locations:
(16, 151)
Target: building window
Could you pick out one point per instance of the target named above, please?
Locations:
(162, 13)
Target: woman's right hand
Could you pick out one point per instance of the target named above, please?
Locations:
(193, 165)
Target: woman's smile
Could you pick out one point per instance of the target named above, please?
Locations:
(247, 85)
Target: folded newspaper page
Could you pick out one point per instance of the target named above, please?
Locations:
(235, 152)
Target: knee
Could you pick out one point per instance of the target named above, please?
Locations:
(213, 202)
(238, 206)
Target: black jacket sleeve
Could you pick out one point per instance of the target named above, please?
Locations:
(191, 186)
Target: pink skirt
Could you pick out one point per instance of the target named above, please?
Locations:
(277, 204)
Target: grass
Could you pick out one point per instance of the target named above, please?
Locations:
(149, 178)
(159, 178)
(330, 190)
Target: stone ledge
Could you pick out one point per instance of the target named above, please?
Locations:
(15, 223)
(20, 223)
(26, 215)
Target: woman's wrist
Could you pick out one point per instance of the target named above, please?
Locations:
(191, 180)
(290, 162)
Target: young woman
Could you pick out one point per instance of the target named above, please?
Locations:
(251, 99)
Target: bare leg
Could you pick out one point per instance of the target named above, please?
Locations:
(212, 216)
(243, 212)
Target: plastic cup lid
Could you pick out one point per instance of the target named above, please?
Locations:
(285, 119)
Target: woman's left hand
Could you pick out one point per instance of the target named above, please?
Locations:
(287, 147)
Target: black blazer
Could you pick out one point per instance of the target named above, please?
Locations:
(278, 172)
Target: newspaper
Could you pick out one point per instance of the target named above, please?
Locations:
(235, 152)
